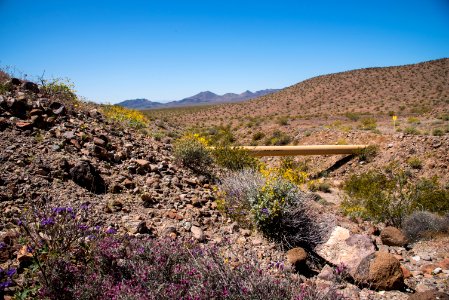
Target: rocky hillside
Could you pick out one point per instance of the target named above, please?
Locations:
(61, 152)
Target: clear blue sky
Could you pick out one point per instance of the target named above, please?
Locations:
(167, 50)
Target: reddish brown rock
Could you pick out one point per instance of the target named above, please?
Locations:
(391, 236)
(381, 271)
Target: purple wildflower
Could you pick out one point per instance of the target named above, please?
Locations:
(2, 245)
(265, 211)
(47, 221)
(111, 231)
(11, 272)
(83, 227)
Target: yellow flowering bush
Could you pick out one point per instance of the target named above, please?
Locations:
(130, 117)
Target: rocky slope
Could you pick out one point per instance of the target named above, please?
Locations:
(66, 153)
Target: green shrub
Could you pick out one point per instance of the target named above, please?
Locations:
(411, 130)
(352, 116)
(322, 186)
(413, 120)
(414, 162)
(258, 136)
(278, 138)
(438, 132)
(234, 158)
(283, 121)
(367, 154)
(444, 117)
(191, 151)
(390, 196)
(368, 123)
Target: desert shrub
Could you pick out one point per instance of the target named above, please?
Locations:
(412, 130)
(126, 116)
(413, 120)
(444, 117)
(422, 224)
(414, 162)
(316, 185)
(273, 205)
(278, 138)
(237, 193)
(391, 113)
(352, 116)
(234, 158)
(191, 151)
(219, 135)
(437, 132)
(258, 136)
(368, 123)
(390, 196)
(270, 202)
(368, 153)
(59, 88)
(283, 121)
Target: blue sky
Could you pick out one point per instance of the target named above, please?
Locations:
(168, 50)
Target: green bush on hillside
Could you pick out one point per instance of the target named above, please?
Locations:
(391, 196)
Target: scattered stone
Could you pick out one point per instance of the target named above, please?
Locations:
(85, 175)
(392, 236)
(381, 271)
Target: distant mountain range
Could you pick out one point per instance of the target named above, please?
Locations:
(206, 97)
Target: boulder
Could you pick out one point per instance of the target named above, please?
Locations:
(31, 86)
(296, 256)
(381, 271)
(391, 236)
(347, 249)
(85, 175)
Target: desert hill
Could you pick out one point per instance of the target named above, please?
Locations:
(410, 89)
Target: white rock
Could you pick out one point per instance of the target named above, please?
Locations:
(416, 258)
(342, 247)
(197, 233)
(437, 271)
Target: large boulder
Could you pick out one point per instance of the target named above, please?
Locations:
(85, 175)
(391, 236)
(381, 271)
(344, 248)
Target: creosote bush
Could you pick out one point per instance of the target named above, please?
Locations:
(191, 151)
(234, 158)
(391, 196)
